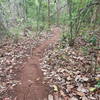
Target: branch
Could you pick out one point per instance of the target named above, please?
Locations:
(81, 10)
(88, 6)
(59, 10)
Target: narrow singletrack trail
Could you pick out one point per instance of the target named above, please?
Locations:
(31, 76)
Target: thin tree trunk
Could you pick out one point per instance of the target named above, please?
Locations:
(3, 31)
(71, 40)
(58, 11)
(48, 13)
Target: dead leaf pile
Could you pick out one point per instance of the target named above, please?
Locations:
(12, 56)
(67, 72)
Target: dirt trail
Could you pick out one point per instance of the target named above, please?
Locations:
(32, 87)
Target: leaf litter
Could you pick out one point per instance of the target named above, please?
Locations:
(65, 70)
(68, 72)
(12, 56)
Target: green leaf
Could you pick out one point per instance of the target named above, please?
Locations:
(98, 84)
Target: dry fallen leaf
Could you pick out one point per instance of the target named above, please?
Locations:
(80, 93)
(62, 93)
(50, 97)
(73, 98)
(6, 99)
(81, 88)
(84, 98)
(55, 88)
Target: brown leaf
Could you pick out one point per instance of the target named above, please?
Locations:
(6, 99)
(80, 93)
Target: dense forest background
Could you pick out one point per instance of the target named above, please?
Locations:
(38, 14)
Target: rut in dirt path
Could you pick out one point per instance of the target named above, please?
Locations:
(32, 87)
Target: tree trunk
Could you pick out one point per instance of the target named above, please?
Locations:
(98, 10)
(3, 23)
(96, 13)
(3, 31)
(48, 13)
(58, 11)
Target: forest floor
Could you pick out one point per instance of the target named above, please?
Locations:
(40, 69)
(32, 87)
(20, 75)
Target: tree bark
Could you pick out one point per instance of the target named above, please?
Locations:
(98, 10)
(58, 11)
(3, 31)
(48, 13)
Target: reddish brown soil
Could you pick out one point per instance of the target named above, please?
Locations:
(32, 87)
